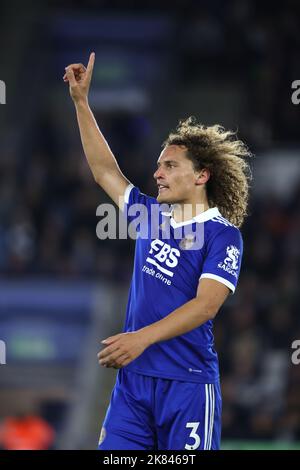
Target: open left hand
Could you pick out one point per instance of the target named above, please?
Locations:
(121, 349)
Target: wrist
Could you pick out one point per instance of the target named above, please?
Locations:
(81, 103)
(147, 336)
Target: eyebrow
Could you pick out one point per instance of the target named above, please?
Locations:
(167, 161)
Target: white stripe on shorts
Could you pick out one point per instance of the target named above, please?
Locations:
(206, 416)
(209, 415)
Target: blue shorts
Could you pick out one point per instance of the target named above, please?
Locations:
(150, 413)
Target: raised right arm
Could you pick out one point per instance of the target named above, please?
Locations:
(100, 158)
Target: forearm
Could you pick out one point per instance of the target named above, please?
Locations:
(123, 348)
(182, 320)
(98, 154)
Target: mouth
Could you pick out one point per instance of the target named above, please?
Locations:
(162, 188)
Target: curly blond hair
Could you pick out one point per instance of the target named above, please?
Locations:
(225, 156)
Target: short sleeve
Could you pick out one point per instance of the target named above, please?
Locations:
(137, 205)
(223, 258)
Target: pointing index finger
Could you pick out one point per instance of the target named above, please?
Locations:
(90, 65)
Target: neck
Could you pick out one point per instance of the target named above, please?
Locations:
(184, 211)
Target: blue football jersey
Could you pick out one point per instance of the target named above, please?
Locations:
(170, 258)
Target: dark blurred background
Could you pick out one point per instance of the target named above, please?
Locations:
(62, 289)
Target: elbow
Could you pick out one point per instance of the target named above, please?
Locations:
(209, 311)
(213, 313)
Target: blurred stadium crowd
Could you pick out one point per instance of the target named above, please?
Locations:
(48, 198)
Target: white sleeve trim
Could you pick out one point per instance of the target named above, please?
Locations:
(127, 193)
(220, 279)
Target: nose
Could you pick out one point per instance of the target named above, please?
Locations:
(158, 174)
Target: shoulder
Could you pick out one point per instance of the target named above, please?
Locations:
(219, 224)
(220, 230)
(133, 195)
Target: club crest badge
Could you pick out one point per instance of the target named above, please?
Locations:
(187, 242)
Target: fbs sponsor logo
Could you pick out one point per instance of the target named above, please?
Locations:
(163, 257)
(231, 262)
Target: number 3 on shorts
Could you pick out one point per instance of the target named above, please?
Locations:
(194, 435)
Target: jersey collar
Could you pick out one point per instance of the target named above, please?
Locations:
(203, 217)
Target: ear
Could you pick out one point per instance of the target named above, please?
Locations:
(203, 176)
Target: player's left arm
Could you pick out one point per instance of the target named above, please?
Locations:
(123, 348)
